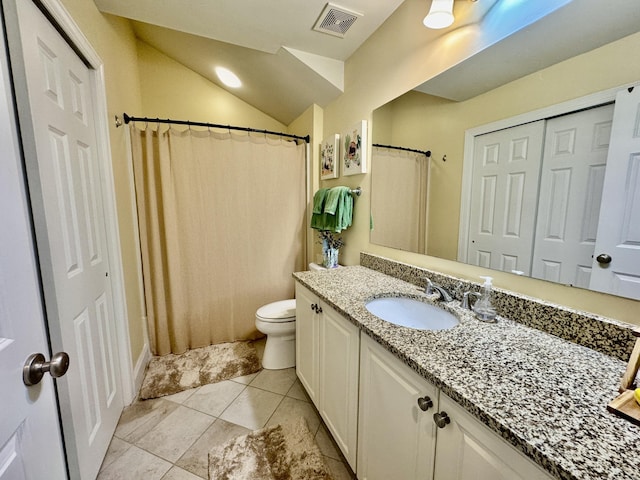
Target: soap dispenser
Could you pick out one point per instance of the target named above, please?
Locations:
(483, 308)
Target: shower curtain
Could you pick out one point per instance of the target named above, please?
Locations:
(399, 193)
(222, 227)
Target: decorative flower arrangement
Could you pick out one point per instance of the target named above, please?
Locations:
(330, 240)
(330, 246)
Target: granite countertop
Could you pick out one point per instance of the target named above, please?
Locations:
(544, 395)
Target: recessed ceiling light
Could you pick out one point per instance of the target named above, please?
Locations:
(227, 77)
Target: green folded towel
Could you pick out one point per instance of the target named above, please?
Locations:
(319, 200)
(336, 212)
(334, 198)
(345, 213)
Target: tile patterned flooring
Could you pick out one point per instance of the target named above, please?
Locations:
(169, 438)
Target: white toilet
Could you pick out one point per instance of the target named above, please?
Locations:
(277, 320)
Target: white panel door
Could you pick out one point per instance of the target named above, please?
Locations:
(573, 167)
(30, 439)
(506, 169)
(339, 360)
(396, 436)
(619, 222)
(58, 125)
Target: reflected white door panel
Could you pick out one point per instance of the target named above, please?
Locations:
(573, 167)
(506, 169)
(619, 221)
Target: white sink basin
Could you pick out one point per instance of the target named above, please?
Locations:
(412, 313)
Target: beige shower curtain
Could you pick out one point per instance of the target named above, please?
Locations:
(399, 193)
(222, 228)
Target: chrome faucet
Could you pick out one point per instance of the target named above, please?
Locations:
(465, 299)
(430, 287)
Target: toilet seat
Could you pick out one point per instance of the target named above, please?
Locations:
(278, 312)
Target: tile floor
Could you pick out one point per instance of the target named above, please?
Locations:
(168, 438)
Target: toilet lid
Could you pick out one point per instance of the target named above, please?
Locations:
(282, 311)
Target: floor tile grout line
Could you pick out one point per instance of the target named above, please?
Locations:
(190, 445)
(215, 419)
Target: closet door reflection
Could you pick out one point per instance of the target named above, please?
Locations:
(536, 194)
(573, 166)
(399, 186)
(504, 189)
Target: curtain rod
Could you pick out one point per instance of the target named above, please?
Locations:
(427, 153)
(128, 118)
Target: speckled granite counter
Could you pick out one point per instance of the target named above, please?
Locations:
(544, 395)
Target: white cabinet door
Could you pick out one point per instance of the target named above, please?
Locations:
(327, 364)
(468, 450)
(396, 438)
(339, 366)
(307, 341)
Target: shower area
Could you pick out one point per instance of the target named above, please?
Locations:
(221, 215)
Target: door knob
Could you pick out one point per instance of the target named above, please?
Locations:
(603, 258)
(35, 367)
(441, 419)
(425, 403)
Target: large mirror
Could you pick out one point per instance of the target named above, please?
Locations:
(437, 205)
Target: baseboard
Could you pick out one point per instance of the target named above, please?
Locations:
(139, 369)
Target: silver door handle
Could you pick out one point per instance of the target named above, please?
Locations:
(35, 367)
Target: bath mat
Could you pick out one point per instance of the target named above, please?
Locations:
(282, 452)
(172, 373)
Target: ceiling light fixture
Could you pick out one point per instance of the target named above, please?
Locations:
(227, 77)
(440, 14)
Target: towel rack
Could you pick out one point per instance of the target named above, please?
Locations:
(357, 191)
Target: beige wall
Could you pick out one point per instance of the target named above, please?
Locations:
(397, 58)
(310, 123)
(171, 90)
(113, 40)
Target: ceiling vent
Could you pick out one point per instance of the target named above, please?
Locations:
(335, 20)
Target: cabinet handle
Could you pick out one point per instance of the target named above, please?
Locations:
(318, 309)
(441, 419)
(425, 403)
(314, 307)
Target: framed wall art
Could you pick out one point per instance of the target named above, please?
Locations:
(330, 157)
(354, 149)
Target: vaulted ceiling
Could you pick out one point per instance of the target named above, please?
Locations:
(285, 65)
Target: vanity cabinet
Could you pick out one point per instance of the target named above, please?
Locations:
(396, 437)
(468, 450)
(382, 412)
(327, 363)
